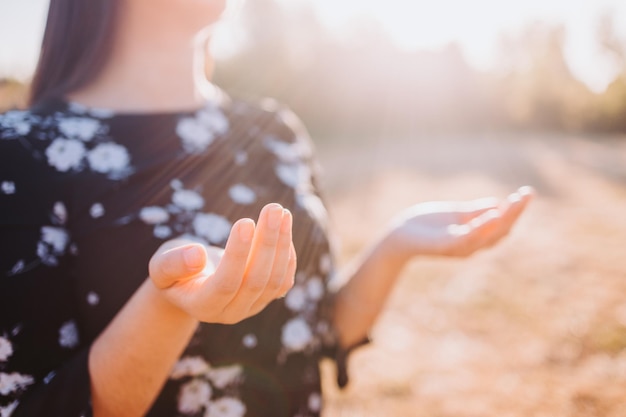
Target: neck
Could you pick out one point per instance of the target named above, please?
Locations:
(150, 69)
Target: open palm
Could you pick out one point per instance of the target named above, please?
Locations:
(227, 286)
(456, 228)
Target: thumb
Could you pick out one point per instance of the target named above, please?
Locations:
(177, 263)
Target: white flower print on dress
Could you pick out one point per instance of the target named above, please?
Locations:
(241, 158)
(189, 366)
(312, 204)
(315, 288)
(296, 334)
(8, 410)
(326, 263)
(6, 349)
(290, 153)
(212, 227)
(18, 267)
(14, 382)
(242, 194)
(315, 402)
(7, 187)
(48, 378)
(295, 300)
(52, 244)
(17, 121)
(59, 213)
(296, 176)
(195, 136)
(68, 335)
(225, 375)
(65, 154)
(188, 199)
(162, 232)
(183, 218)
(193, 396)
(176, 184)
(213, 119)
(198, 132)
(93, 299)
(96, 210)
(154, 215)
(225, 407)
(250, 341)
(101, 113)
(77, 108)
(109, 158)
(56, 237)
(81, 128)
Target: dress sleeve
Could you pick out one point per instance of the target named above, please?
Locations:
(322, 255)
(43, 361)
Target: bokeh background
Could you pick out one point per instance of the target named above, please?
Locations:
(411, 100)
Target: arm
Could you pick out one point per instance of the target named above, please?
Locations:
(441, 229)
(130, 361)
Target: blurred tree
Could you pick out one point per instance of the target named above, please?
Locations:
(364, 85)
(13, 94)
(536, 85)
(360, 85)
(610, 109)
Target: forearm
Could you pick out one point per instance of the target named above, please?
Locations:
(370, 280)
(130, 361)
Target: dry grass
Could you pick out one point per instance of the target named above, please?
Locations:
(535, 327)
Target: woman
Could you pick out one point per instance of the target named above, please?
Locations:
(125, 149)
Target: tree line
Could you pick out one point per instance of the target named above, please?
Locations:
(366, 85)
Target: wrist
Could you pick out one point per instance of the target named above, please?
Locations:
(160, 301)
(392, 251)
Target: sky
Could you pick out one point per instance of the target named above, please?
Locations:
(412, 24)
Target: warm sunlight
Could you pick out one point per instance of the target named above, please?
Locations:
(475, 25)
(414, 24)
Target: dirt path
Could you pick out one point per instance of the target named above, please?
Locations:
(534, 327)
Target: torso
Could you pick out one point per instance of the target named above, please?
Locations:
(87, 197)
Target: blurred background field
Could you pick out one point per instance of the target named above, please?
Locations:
(535, 327)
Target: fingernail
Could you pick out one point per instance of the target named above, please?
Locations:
(525, 190)
(274, 216)
(287, 221)
(515, 197)
(485, 217)
(194, 257)
(246, 230)
(492, 214)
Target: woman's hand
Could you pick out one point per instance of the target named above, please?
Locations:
(227, 286)
(455, 229)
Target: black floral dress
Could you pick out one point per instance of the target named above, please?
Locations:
(87, 196)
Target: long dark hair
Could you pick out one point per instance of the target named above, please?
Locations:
(76, 44)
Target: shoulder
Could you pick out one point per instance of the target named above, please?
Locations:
(275, 124)
(23, 139)
(17, 147)
(16, 123)
(27, 180)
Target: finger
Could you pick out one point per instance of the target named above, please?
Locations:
(176, 264)
(475, 208)
(512, 209)
(280, 265)
(287, 282)
(489, 228)
(261, 258)
(232, 266)
(290, 274)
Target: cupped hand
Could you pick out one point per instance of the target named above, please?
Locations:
(456, 229)
(226, 286)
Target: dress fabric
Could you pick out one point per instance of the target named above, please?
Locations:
(86, 197)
